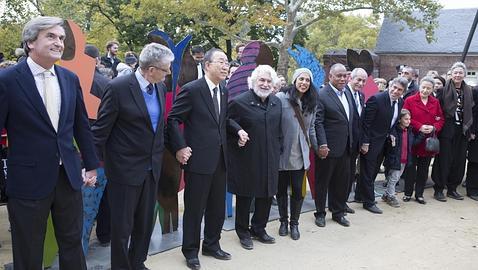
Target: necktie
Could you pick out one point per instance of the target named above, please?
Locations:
(216, 103)
(394, 116)
(357, 103)
(150, 89)
(51, 98)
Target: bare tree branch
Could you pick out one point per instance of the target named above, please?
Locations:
(314, 20)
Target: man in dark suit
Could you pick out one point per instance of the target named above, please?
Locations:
(130, 128)
(42, 109)
(197, 53)
(409, 73)
(201, 149)
(333, 125)
(99, 80)
(357, 80)
(380, 114)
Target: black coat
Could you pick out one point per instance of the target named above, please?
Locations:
(254, 168)
(376, 119)
(357, 123)
(393, 153)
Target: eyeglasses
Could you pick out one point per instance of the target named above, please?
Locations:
(222, 63)
(162, 69)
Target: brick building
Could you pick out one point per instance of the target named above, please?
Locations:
(398, 45)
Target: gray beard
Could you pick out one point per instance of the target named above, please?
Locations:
(261, 93)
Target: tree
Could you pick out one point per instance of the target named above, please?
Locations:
(327, 34)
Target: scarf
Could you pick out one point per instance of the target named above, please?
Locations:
(449, 103)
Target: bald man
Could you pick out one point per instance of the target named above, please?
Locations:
(333, 127)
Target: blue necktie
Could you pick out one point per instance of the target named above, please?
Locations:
(150, 89)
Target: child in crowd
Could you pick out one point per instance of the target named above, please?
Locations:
(398, 154)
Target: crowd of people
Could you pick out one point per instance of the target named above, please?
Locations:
(255, 146)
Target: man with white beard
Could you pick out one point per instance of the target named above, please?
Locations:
(253, 168)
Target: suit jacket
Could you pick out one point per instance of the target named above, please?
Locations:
(376, 119)
(204, 133)
(124, 132)
(331, 124)
(412, 89)
(99, 84)
(357, 123)
(35, 148)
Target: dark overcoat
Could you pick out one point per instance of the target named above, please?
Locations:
(254, 168)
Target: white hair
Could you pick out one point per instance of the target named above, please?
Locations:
(261, 69)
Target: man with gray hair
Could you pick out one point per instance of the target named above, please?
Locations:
(42, 109)
(260, 111)
(129, 131)
(380, 114)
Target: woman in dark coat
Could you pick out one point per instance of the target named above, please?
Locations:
(427, 118)
(456, 101)
(253, 168)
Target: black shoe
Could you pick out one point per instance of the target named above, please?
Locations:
(294, 232)
(349, 210)
(406, 198)
(283, 230)
(420, 200)
(439, 196)
(374, 209)
(246, 243)
(263, 238)
(473, 197)
(320, 221)
(454, 195)
(218, 254)
(342, 221)
(193, 264)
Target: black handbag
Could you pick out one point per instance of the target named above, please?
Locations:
(432, 144)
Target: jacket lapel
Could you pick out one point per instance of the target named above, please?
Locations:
(335, 98)
(160, 93)
(206, 95)
(27, 83)
(139, 99)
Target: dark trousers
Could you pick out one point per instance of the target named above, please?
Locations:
(352, 179)
(204, 195)
(259, 218)
(103, 219)
(28, 219)
(449, 165)
(294, 179)
(472, 179)
(331, 178)
(131, 219)
(369, 167)
(417, 176)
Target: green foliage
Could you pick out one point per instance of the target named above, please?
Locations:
(10, 37)
(343, 32)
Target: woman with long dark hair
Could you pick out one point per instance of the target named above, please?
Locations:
(299, 104)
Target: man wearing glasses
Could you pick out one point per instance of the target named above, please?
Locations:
(129, 132)
(201, 149)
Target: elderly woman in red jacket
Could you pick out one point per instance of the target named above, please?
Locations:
(427, 118)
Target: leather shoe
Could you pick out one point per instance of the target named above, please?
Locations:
(342, 221)
(193, 264)
(263, 238)
(454, 195)
(320, 221)
(349, 210)
(473, 197)
(294, 232)
(283, 230)
(374, 209)
(246, 243)
(218, 254)
(438, 195)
